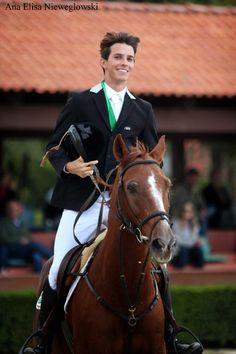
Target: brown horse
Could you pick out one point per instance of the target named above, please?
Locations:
(116, 308)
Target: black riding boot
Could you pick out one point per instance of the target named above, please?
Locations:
(171, 342)
(46, 320)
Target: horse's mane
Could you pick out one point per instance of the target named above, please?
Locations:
(139, 150)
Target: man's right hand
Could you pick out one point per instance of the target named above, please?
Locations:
(80, 168)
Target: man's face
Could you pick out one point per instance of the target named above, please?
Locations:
(119, 64)
(14, 209)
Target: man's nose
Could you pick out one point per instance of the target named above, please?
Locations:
(124, 61)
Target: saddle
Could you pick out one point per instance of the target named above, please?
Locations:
(71, 265)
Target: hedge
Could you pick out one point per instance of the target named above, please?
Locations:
(16, 314)
(209, 311)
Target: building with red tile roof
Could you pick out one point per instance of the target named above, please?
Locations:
(185, 50)
(185, 66)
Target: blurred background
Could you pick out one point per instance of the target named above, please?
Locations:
(185, 66)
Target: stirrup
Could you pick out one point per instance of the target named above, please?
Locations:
(29, 350)
(24, 346)
(184, 329)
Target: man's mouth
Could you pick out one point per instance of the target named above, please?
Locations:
(123, 70)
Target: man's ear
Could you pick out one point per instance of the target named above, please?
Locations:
(103, 63)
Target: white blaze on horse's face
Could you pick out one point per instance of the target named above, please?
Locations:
(163, 240)
(155, 192)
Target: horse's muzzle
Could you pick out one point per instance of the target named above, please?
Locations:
(162, 248)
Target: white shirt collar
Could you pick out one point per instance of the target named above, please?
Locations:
(98, 87)
(111, 92)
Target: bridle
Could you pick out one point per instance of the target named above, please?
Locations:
(136, 228)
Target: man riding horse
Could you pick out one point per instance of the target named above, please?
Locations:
(101, 113)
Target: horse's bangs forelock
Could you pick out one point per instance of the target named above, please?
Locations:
(139, 150)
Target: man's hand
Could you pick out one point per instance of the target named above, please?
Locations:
(80, 168)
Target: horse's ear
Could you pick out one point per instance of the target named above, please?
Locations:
(159, 150)
(119, 148)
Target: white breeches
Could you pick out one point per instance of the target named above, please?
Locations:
(85, 230)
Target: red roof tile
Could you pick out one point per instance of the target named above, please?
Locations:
(184, 50)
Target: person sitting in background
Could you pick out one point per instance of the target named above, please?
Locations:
(15, 241)
(217, 199)
(188, 191)
(7, 189)
(189, 245)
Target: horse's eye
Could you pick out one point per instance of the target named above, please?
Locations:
(132, 187)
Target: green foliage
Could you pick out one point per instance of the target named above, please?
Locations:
(16, 316)
(22, 158)
(209, 311)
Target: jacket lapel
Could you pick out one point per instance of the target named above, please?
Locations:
(101, 104)
(127, 107)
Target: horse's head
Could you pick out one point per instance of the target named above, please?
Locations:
(142, 199)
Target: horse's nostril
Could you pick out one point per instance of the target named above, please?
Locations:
(172, 245)
(157, 244)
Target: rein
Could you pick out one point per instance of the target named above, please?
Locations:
(131, 319)
(87, 203)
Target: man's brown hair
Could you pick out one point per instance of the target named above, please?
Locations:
(117, 37)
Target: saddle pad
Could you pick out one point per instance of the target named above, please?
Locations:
(89, 250)
(85, 257)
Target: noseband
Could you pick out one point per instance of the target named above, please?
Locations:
(126, 224)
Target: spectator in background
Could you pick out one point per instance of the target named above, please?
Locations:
(217, 199)
(189, 245)
(188, 191)
(15, 241)
(7, 189)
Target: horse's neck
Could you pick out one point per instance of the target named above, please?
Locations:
(122, 256)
